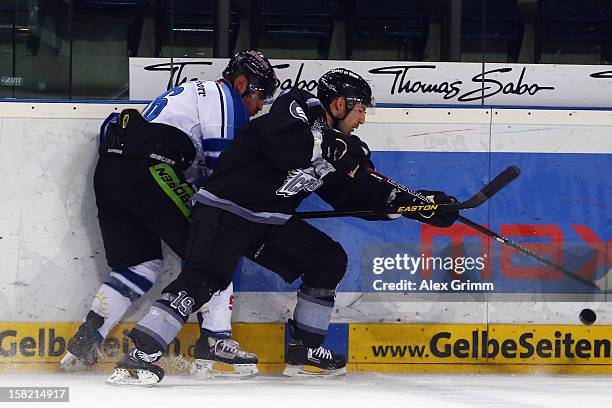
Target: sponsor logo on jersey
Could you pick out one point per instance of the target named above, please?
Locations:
(298, 180)
(297, 112)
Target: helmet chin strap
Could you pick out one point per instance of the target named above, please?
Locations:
(231, 85)
(335, 120)
(246, 91)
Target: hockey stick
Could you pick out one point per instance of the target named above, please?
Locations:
(488, 191)
(525, 251)
(493, 187)
(499, 182)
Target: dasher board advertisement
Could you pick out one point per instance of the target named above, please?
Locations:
(406, 83)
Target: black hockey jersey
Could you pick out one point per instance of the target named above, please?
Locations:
(275, 162)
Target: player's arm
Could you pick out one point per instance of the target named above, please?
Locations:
(292, 136)
(288, 143)
(356, 190)
(365, 191)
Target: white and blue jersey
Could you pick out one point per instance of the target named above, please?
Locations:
(210, 113)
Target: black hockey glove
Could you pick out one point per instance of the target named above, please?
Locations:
(440, 219)
(360, 150)
(339, 151)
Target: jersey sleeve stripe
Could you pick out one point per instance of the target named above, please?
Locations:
(229, 109)
(223, 110)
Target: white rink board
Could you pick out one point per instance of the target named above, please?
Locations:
(51, 253)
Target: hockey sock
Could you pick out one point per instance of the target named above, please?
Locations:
(162, 323)
(124, 286)
(215, 317)
(312, 314)
(111, 305)
(187, 293)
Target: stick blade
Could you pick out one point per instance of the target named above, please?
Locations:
(500, 181)
(493, 187)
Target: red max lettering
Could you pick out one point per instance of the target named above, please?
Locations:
(552, 249)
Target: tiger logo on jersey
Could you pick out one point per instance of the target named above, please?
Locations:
(298, 180)
(305, 179)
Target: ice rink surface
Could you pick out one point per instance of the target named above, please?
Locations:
(353, 390)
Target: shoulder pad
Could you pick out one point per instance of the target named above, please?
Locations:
(300, 104)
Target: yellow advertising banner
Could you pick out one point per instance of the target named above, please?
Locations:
(46, 343)
(408, 347)
(371, 347)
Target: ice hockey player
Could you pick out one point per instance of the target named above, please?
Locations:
(142, 183)
(301, 146)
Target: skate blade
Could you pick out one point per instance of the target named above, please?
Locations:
(306, 371)
(136, 378)
(72, 363)
(213, 370)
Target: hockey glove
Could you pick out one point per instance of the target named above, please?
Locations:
(359, 149)
(440, 219)
(336, 149)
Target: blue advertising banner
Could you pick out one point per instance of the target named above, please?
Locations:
(558, 207)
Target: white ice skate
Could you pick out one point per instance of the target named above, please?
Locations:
(137, 369)
(222, 358)
(138, 378)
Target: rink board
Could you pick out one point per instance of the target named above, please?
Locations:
(558, 207)
(52, 257)
(368, 347)
(405, 82)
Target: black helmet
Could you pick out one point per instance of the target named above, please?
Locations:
(342, 82)
(256, 68)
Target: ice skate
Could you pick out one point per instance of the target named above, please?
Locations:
(83, 349)
(137, 369)
(222, 358)
(305, 361)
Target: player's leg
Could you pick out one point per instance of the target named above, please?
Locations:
(298, 249)
(215, 344)
(156, 208)
(216, 242)
(217, 355)
(126, 243)
(133, 213)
